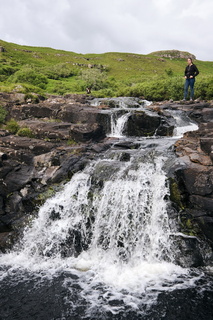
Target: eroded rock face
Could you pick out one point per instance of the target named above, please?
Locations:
(195, 175)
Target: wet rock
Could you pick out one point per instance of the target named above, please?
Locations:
(125, 157)
(165, 128)
(190, 253)
(68, 167)
(48, 174)
(6, 240)
(104, 172)
(87, 132)
(204, 203)
(141, 123)
(206, 225)
(14, 204)
(17, 178)
(31, 168)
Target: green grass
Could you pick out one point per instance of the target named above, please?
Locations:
(45, 70)
(25, 132)
(12, 126)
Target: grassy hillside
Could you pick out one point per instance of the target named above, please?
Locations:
(45, 70)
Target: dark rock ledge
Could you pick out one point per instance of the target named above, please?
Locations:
(68, 132)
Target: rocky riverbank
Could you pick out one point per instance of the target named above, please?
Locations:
(192, 188)
(68, 131)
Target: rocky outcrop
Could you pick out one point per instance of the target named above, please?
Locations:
(141, 123)
(174, 54)
(194, 173)
(32, 169)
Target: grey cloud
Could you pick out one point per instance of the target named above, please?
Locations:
(139, 26)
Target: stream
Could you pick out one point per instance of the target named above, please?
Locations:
(107, 246)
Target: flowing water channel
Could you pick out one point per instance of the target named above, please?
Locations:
(104, 246)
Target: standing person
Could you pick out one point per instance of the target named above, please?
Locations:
(191, 72)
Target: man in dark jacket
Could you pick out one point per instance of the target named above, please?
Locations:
(191, 72)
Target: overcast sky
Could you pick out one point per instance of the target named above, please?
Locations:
(97, 26)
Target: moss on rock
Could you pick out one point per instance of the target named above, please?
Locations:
(175, 195)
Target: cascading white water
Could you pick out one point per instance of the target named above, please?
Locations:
(129, 247)
(131, 221)
(124, 104)
(118, 124)
(115, 236)
(183, 124)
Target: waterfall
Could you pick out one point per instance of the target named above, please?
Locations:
(115, 233)
(129, 213)
(118, 107)
(110, 230)
(183, 124)
(118, 124)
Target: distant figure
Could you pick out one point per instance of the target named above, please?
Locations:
(191, 72)
(88, 90)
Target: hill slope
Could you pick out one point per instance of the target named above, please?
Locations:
(46, 70)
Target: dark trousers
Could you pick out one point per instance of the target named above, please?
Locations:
(189, 83)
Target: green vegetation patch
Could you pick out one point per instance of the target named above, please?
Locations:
(25, 132)
(3, 113)
(12, 126)
(45, 70)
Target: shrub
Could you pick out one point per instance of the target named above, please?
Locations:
(94, 79)
(203, 88)
(155, 90)
(12, 126)
(28, 75)
(61, 70)
(59, 88)
(25, 132)
(3, 114)
(7, 70)
(169, 72)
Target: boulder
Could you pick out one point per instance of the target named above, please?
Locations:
(87, 132)
(141, 123)
(17, 178)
